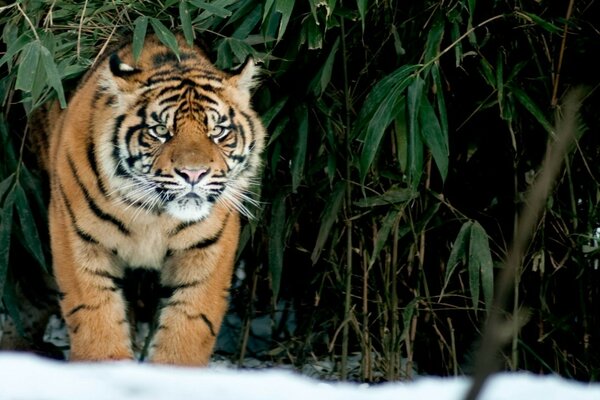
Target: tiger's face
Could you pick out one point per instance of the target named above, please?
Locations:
(185, 137)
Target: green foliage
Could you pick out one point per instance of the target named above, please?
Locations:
(472, 249)
(402, 138)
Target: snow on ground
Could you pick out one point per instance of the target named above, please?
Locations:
(27, 377)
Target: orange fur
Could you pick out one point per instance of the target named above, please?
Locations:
(149, 166)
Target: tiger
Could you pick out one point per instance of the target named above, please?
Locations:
(151, 166)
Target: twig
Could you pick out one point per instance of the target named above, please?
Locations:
(80, 27)
(460, 38)
(561, 54)
(486, 361)
(29, 22)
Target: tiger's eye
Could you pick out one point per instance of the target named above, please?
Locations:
(161, 130)
(220, 133)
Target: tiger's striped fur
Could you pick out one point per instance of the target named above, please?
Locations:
(149, 166)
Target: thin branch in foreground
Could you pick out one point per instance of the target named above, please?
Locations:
(494, 337)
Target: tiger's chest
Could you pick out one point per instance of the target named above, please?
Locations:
(145, 247)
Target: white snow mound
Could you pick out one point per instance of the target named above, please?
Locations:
(25, 377)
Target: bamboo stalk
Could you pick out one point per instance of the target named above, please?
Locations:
(347, 208)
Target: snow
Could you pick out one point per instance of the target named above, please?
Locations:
(24, 377)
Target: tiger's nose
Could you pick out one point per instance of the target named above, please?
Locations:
(192, 175)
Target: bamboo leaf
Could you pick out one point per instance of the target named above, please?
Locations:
(15, 47)
(432, 135)
(54, 79)
(548, 26)
(285, 8)
(382, 106)
(377, 95)
(314, 35)
(276, 243)
(415, 143)
(479, 250)
(281, 125)
(5, 185)
(473, 269)
(5, 233)
(407, 315)
(323, 77)
(441, 103)
(500, 84)
(415, 92)
(486, 71)
(383, 233)
(139, 35)
(268, 116)
(32, 185)
(394, 195)
(299, 155)
(28, 226)
(10, 32)
(247, 25)
(458, 253)
(11, 302)
(328, 217)
(212, 8)
(267, 9)
(434, 39)
(186, 22)
(471, 4)
(515, 71)
(224, 55)
(458, 50)
(362, 11)
(533, 108)
(240, 50)
(28, 64)
(401, 131)
(165, 35)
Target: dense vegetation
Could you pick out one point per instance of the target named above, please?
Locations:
(403, 137)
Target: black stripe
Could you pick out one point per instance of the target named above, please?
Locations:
(115, 144)
(92, 204)
(166, 75)
(187, 285)
(235, 157)
(91, 156)
(174, 303)
(107, 288)
(181, 227)
(86, 237)
(111, 101)
(167, 57)
(118, 281)
(208, 323)
(206, 242)
(171, 99)
(169, 291)
(76, 309)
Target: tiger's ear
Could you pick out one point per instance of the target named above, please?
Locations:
(121, 69)
(118, 77)
(247, 78)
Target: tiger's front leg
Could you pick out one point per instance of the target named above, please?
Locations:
(92, 302)
(197, 281)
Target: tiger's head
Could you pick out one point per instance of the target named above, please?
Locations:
(184, 136)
